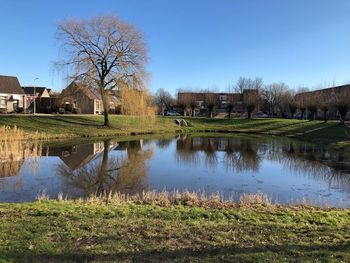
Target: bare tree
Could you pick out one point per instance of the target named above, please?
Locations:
(273, 94)
(210, 101)
(291, 104)
(231, 100)
(185, 99)
(250, 89)
(242, 84)
(312, 102)
(164, 100)
(301, 101)
(104, 52)
(230, 106)
(342, 102)
(325, 102)
(251, 100)
(192, 104)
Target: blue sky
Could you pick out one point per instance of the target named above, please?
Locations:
(195, 44)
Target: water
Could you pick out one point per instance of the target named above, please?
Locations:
(286, 170)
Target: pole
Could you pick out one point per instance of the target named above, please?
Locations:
(34, 111)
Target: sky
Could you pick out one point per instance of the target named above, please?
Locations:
(193, 44)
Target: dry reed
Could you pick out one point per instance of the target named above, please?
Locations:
(168, 199)
(14, 150)
(14, 133)
(247, 200)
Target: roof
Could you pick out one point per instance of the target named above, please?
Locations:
(325, 90)
(30, 90)
(75, 87)
(10, 85)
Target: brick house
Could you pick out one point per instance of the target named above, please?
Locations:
(12, 97)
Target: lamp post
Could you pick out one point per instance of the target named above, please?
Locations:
(34, 111)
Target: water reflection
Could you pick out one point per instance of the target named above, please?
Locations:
(111, 173)
(282, 167)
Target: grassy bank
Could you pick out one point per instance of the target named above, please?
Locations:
(52, 231)
(69, 126)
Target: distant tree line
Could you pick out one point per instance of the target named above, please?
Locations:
(275, 99)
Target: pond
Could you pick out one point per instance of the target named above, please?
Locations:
(287, 170)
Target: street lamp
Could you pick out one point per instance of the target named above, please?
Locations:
(34, 111)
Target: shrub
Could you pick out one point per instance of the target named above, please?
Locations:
(68, 107)
(60, 110)
(19, 110)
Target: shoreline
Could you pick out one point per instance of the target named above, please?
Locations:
(60, 128)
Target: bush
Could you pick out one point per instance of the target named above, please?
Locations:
(77, 110)
(68, 107)
(54, 109)
(19, 110)
(61, 110)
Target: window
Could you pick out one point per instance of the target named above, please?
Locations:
(223, 97)
(3, 102)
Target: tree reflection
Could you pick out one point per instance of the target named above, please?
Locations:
(210, 147)
(240, 155)
(316, 162)
(112, 174)
(246, 154)
(186, 150)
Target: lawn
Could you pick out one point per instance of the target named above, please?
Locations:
(71, 126)
(67, 126)
(52, 231)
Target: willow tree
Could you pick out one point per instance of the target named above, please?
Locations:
(105, 53)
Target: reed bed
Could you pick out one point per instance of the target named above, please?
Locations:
(9, 134)
(15, 149)
(168, 199)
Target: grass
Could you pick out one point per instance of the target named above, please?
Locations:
(124, 231)
(70, 126)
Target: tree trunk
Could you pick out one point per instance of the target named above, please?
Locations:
(103, 169)
(105, 102)
(106, 122)
(342, 115)
(210, 112)
(193, 112)
(249, 114)
(325, 116)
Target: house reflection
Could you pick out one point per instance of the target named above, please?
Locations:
(77, 156)
(96, 170)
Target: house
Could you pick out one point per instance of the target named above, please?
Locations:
(41, 92)
(12, 97)
(80, 99)
(222, 101)
(328, 95)
(44, 100)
